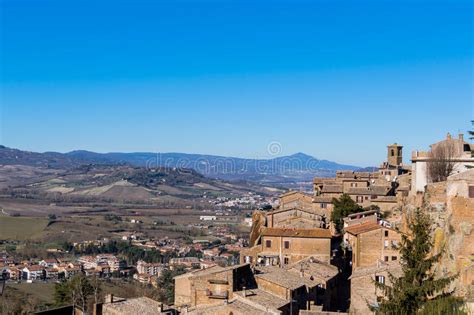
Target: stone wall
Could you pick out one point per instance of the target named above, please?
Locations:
(299, 247)
(369, 247)
(182, 291)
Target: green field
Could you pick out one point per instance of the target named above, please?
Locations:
(42, 291)
(20, 228)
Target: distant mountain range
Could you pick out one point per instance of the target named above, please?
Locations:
(286, 171)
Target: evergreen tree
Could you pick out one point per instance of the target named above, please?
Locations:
(418, 291)
(166, 284)
(342, 208)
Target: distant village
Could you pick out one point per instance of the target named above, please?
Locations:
(297, 260)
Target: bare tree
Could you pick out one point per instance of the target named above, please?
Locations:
(441, 162)
(96, 288)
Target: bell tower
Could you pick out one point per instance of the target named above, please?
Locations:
(394, 154)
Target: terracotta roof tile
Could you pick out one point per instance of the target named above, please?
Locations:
(35, 268)
(322, 199)
(362, 228)
(332, 189)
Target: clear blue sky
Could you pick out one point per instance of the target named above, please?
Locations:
(335, 79)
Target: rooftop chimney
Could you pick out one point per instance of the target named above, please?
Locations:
(461, 137)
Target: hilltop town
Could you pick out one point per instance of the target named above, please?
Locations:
(297, 255)
(236, 157)
(303, 261)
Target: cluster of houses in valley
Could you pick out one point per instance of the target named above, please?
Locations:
(249, 200)
(110, 265)
(298, 262)
(60, 268)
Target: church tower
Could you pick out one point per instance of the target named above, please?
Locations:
(394, 154)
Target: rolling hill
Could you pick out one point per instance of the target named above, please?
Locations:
(281, 171)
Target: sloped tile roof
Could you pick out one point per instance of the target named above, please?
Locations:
(357, 229)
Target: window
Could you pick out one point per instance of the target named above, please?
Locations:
(324, 205)
(385, 244)
(286, 260)
(380, 279)
(268, 243)
(386, 233)
(471, 191)
(366, 197)
(392, 152)
(286, 244)
(386, 258)
(394, 257)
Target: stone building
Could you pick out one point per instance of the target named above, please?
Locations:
(283, 246)
(212, 285)
(461, 157)
(363, 289)
(296, 210)
(385, 187)
(361, 217)
(304, 290)
(372, 241)
(294, 199)
(298, 217)
(308, 284)
(324, 294)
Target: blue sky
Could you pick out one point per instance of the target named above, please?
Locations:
(338, 80)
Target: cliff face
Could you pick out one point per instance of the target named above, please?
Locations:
(452, 212)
